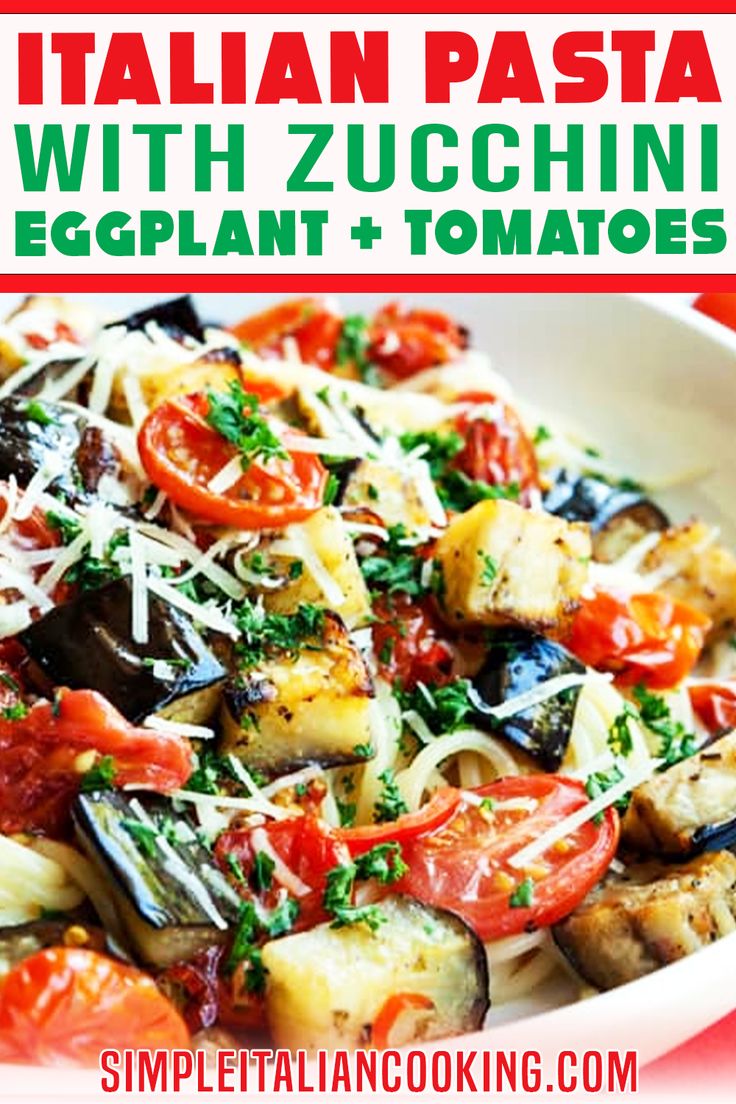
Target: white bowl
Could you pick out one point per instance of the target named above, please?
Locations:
(653, 384)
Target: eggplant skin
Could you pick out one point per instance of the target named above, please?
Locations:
(518, 661)
(166, 895)
(689, 807)
(86, 644)
(325, 986)
(177, 317)
(617, 517)
(653, 915)
(26, 445)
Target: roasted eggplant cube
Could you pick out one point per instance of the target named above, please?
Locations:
(650, 916)
(171, 899)
(313, 707)
(329, 539)
(689, 807)
(34, 434)
(617, 517)
(516, 662)
(87, 644)
(504, 565)
(325, 987)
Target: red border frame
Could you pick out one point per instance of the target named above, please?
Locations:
(391, 283)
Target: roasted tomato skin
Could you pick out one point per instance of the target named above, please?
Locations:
(464, 865)
(182, 454)
(647, 638)
(408, 641)
(715, 705)
(40, 758)
(403, 343)
(63, 1005)
(497, 449)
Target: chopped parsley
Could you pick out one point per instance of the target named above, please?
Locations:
(363, 751)
(440, 448)
(9, 681)
(384, 863)
(233, 864)
(541, 434)
(264, 634)
(346, 810)
(37, 412)
(15, 712)
(332, 489)
(352, 346)
(619, 735)
(602, 781)
(234, 415)
(99, 777)
(252, 927)
(676, 742)
(487, 805)
(444, 708)
(211, 772)
(458, 492)
(143, 835)
(263, 868)
(390, 804)
(398, 568)
(523, 895)
(490, 568)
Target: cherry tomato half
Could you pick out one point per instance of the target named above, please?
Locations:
(181, 454)
(647, 638)
(464, 866)
(39, 758)
(497, 448)
(715, 704)
(407, 640)
(63, 1005)
(310, 322)
(720, 305)
(403, 343)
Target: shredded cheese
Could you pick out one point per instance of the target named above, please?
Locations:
(178, 728)
(204, 614)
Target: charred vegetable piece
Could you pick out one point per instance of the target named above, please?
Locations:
(170, 897)
(22, 940)
(177, 317)
(653, 915)
(295, 709)
(691, 806)
(617, 517)
(36, 435)
(421, 975)
(504, 565)
(87, 644)
(515, 663)
(49, 371)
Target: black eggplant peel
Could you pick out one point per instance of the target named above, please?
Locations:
(518, 661)
(86, 644)
(170, 898)
(35, 434)
(617, 516)
(177, 317)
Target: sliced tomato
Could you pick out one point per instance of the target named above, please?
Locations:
(436, 812)
(497, 450)
(181, 454)
(310, 322)
(408, 641)
(403, 343)
(715, 704)
(464, 866)
(40, 760)
(63, 1005)
(720, 305)
(307, 846)
(647, 638)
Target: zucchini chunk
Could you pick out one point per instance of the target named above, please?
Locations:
(328, 539)
(395, 495)
(171, 899)
(314, 707)
(326, 987)
(698, 570)
(652, 915)
(504, 565)
(618, 518)
(516, 662)
(690, 807)
(86, 644)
